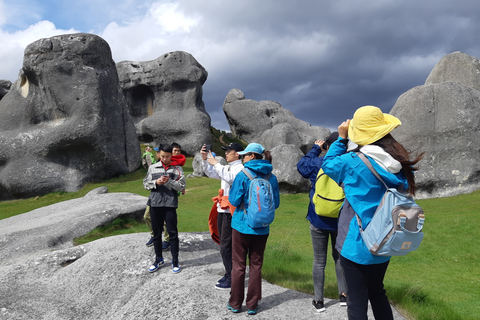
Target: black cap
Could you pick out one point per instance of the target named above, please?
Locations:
(233, 146)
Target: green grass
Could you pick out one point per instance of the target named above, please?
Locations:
(438, 281)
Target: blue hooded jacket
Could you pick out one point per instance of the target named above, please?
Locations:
(308, 167)
(239, 195)
(363, 193)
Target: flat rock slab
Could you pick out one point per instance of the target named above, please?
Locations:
(108, 279)
(43, 276)
(55, 226)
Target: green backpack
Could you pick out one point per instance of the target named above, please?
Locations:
(328, 197)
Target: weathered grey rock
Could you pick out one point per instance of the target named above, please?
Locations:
(456, 67)
(64, 122)
(165, 100)
(5, 86)
(284, 161)
(108, 278)
(443, 120)
(197, 164)
(249, 119)
(55, 226)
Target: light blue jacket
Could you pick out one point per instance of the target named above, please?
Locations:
(363, 193)
(239, 195)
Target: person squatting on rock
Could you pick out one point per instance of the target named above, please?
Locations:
(222, 209)
(176, 151)
(364, 272)
(321, 227)
(247, 241)
(165, 179)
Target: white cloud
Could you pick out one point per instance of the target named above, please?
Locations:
(13, 46)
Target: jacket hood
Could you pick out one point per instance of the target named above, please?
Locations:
(259, 166)
(382, 158)
(178, 160)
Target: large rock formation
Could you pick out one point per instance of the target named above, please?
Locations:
(64, 122)
(165, 100)
(5, 86)
(253, 121)
(442, 118)
(284, 161)
(277, 129)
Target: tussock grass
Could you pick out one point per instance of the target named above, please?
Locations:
(438, 281)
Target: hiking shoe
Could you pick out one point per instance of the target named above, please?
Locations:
(232, 309)
(150, 242)
(226, 285)
(318, 305)
(165, 245)
(175, 268)
(156, 265)
(252, 312)
(222, 279)
(343, 300)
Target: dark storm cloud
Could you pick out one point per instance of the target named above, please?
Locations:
(319, 59)
(323, 60)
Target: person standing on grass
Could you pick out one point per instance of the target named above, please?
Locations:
(247, 241)
(364, 272)
(321, 227)
(226, 175)
(164, 179)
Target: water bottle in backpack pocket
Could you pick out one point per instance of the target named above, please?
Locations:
(260, 211)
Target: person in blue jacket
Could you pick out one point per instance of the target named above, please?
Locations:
(247, 241)
(321, 228)
(364, 272)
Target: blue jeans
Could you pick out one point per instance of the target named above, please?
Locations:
(320, 246)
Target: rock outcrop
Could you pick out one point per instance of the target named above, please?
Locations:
(108, 278)
(64, 122)
(284, 161)
(442, 118)
(5, 86)
(165, 100)
(255, 121)
(54, 227)
(277, 129)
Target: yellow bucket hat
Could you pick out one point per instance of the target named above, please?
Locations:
(370, 124)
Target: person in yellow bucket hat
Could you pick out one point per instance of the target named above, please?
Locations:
(364, 272)
(369, 124)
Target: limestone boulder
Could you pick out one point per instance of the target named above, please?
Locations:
(64, 122)
(284, 161)
(250, 120)
(197, 164)
(5, 86)
(456, 67)
(164, 97)
(443, 120)
(284, 133)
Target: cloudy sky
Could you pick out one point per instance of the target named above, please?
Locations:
(320, 59)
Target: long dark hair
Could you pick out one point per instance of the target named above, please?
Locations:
(402, 155)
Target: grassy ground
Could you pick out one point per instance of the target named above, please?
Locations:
(438, 281)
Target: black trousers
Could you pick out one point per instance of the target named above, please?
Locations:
(365, 282)
(224, 224)
(159, 215)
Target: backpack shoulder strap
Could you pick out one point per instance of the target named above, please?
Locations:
(372, 169)
(248, 173)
